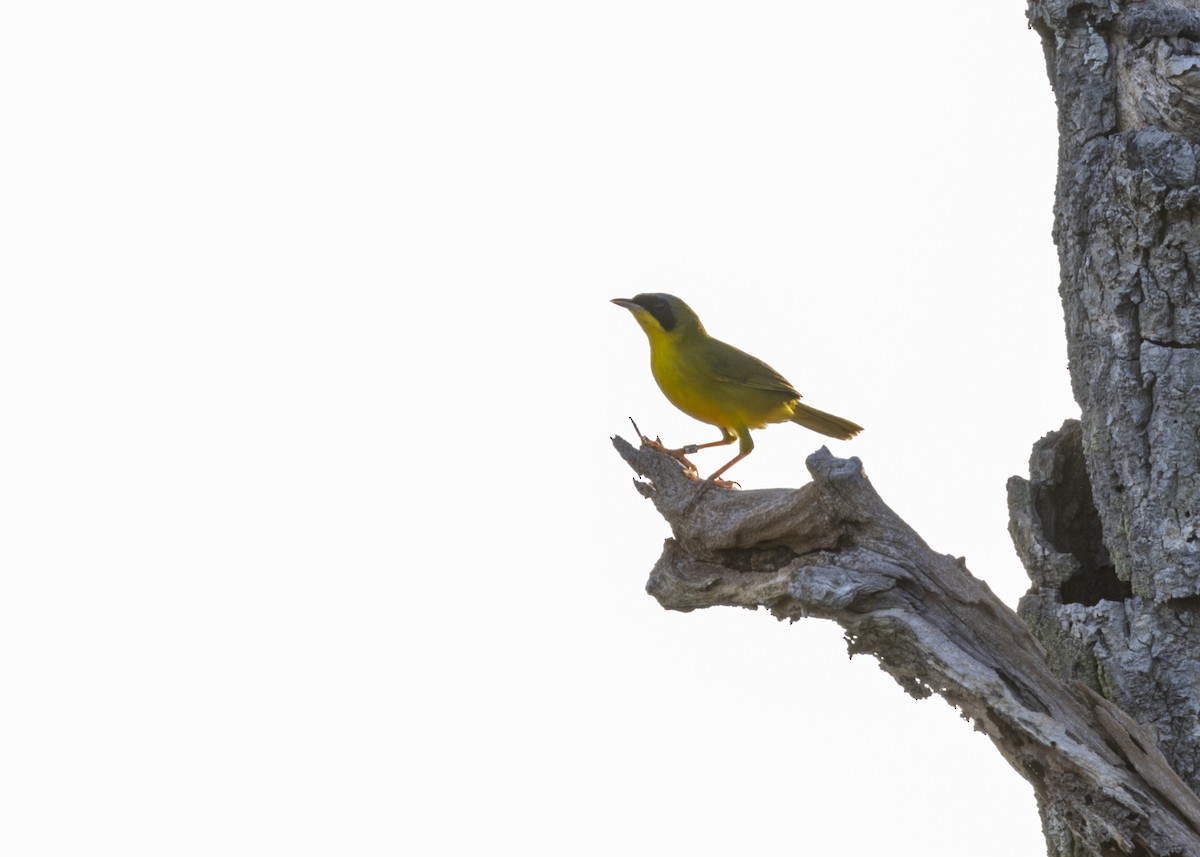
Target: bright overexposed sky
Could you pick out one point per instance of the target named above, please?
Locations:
(313, 538)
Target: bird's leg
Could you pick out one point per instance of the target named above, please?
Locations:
(677, 454)
(727, 437)
(744, 448)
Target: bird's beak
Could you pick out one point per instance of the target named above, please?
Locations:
(627, 303)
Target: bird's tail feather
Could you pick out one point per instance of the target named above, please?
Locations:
(826, 424)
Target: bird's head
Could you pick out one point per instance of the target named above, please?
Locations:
(660, 314)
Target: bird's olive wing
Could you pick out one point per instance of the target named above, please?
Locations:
(735, 366)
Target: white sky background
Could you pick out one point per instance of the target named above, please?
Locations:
(313, 538)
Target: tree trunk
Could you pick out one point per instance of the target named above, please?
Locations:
(1107, 525)
(1095, 696)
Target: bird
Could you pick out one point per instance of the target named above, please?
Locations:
(715, 383)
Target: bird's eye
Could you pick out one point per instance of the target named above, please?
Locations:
(661, 310)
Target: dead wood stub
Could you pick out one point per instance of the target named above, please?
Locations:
(833, 549)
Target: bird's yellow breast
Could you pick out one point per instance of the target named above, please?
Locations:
(685, 372)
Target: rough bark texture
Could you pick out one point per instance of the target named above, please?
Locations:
(833, 549)
(1108, 522)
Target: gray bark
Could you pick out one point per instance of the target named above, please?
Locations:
(1095, 696)
(834, 550)
(1107, 524)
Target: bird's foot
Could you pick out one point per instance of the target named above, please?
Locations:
(725, 483)
(678, 454)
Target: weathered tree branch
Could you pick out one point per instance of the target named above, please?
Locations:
(833, 549)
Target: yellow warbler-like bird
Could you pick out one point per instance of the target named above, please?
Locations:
(718, 384)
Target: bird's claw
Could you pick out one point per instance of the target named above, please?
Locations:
(654, 444)
(677, 454)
